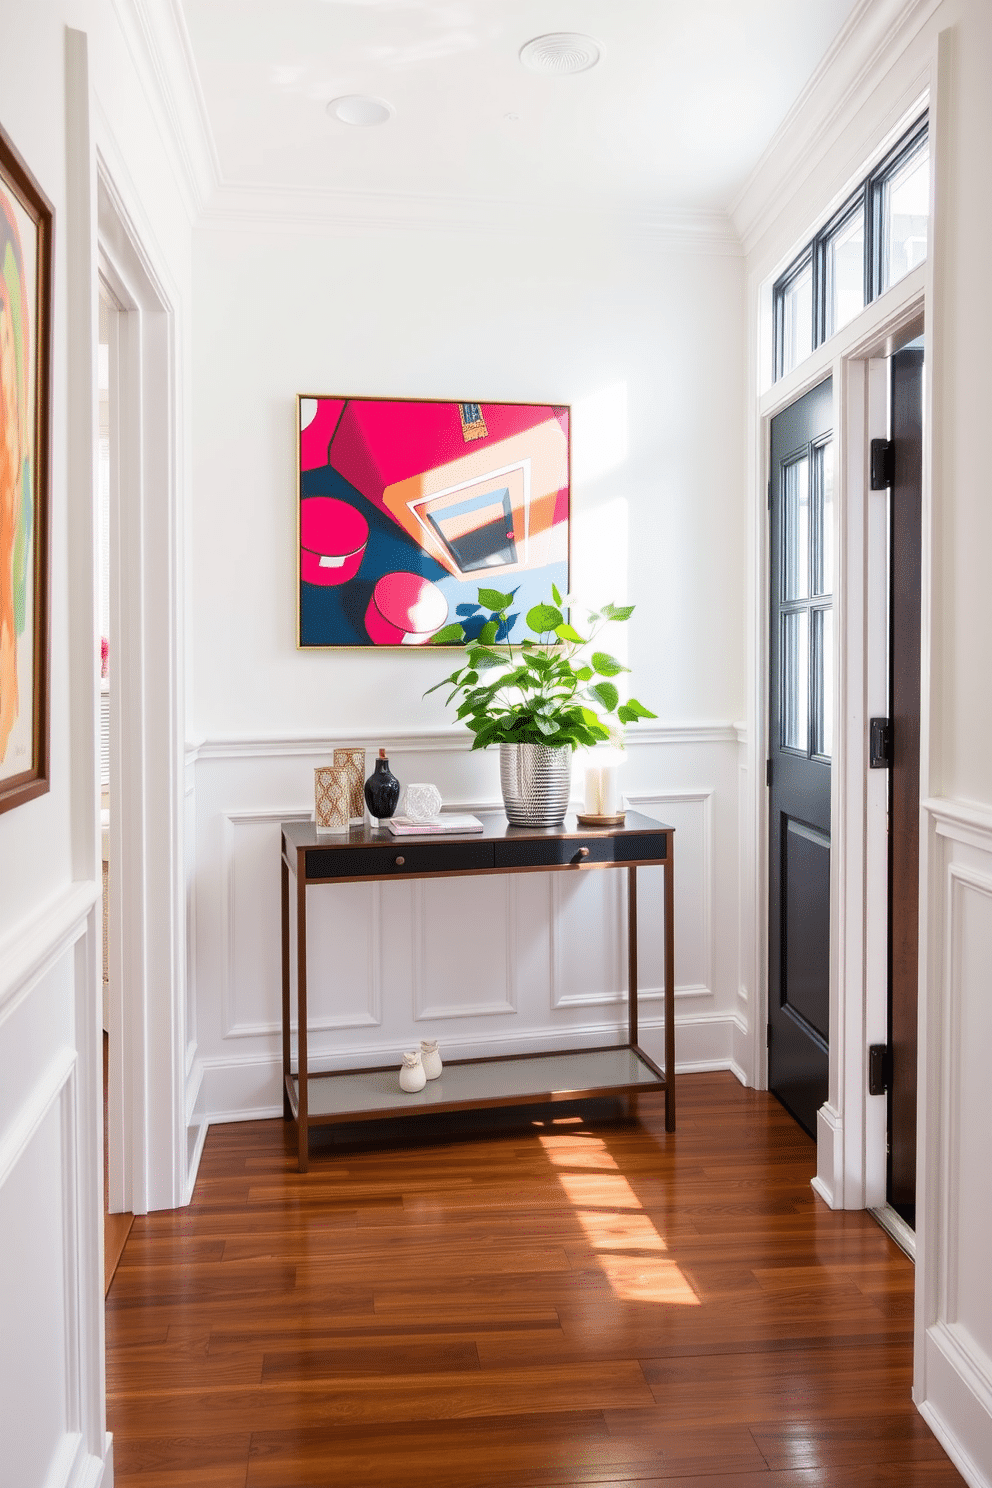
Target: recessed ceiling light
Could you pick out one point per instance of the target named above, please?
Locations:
(560, 52)
(357, 108)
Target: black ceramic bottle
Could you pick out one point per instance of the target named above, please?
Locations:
(382, 789)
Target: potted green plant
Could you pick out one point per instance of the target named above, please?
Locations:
(537, 699)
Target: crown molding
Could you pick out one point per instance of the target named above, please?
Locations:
(296, 209)
(875, 33)
(158, 41)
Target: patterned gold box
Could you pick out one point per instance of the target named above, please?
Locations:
(352, 758)
(332, 798)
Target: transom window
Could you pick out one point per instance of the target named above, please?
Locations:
(878, 235)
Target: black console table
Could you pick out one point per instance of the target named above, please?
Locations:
(365, 854)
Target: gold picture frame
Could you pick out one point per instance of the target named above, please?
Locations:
(26, 250)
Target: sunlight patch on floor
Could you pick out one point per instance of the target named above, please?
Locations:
(627, 1243)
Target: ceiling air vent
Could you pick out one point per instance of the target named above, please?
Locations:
(561, 52)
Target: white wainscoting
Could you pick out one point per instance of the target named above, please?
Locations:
(498, 964)
(196, 1126)
(954, 1299)
(51, 1199)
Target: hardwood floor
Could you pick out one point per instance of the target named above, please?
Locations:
(566, 1302)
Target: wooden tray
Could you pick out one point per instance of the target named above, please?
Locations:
(601, 821)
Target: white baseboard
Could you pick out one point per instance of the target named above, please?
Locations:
(958, 1406)
(829, 1180)
(250, 1088)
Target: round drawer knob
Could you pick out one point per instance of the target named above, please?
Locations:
(400, 861)
(583, 852)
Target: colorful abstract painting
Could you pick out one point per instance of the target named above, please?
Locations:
(25, 309)
(407, 507)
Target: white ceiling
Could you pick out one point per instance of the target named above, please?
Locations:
(678, 111)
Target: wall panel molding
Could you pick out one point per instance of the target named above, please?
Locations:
(236, 1025)
(29, 952)
(47, 1090)
(51, 1295)
(953, 1377)
(961, 822)
(425, 988)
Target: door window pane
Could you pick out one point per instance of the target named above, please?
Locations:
(797, 319)
(823, 477)
(795, 681)
(795, 530)
(905, 207)
(845, 266)
(823, 690)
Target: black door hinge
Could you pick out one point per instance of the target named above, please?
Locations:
(768, 773)
(879, 1068)
(880, 744)
(883, 464)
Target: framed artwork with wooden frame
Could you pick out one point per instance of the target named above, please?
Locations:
(26, 224)
(407, 505)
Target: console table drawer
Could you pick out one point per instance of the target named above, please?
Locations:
(398, 858)
(556, 852)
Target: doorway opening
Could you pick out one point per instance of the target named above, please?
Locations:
(117, 1218)
(148, 1052)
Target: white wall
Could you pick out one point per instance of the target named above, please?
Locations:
(437, 313)
(899, 50)
(51, 1167)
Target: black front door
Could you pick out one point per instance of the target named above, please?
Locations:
(801, 728)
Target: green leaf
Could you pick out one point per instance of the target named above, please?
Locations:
(607, 695)
(555, 595)
(484, 659)
(634, 709)
(607, 665)
(447, 635)
(618, 612)
(568, 632)
(487, 634)
(543, 618)
(491, 599)
(546, 725)
(584, 673)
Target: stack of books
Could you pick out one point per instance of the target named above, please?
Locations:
(403, 826)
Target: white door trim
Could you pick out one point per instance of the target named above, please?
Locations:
(147, 1166)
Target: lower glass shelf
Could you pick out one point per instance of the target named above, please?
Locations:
(520, 1080)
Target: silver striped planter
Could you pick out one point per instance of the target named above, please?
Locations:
(535, 780)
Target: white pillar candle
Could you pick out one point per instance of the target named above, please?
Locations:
(608, 791)
(592, 790)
